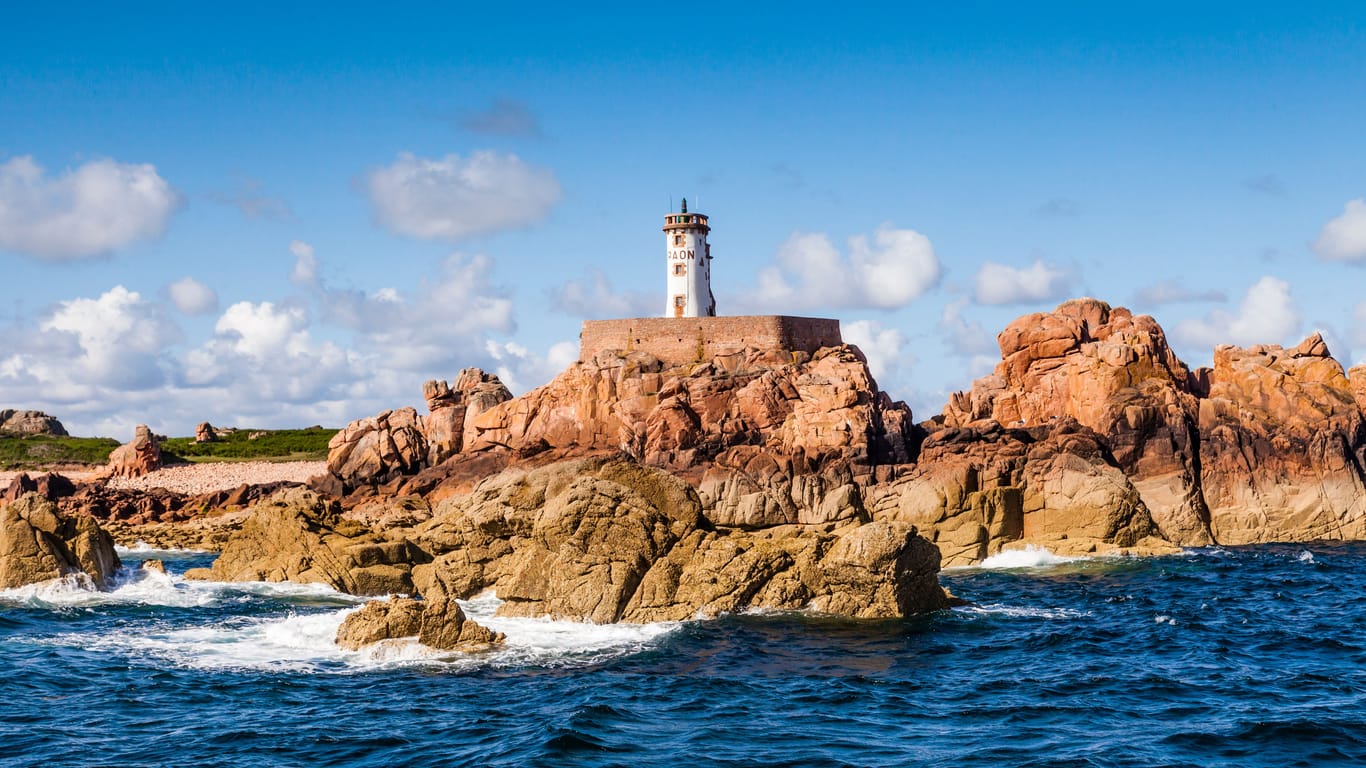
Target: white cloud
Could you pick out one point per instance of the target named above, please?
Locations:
(1175, 292)
(809, 272)
(433, 328)
(88, 211)
(87, 351)
(1344, 238)
(967, 338)
(1002, 284)
(192, 297)
(1267, 315)
(305, 271)
(885, 349)
(452, 198)
(595, 299)
(1356, 334)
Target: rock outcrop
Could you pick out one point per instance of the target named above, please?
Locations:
(1282, 446)
(977, 490)
(439, 625)
(298, 536)
(29, 423)
(1268, 445)
(767, 441)
(396, 443)
(609, 540)
(37, 544)
(205, 433)
(139, 457)
(1114, 373)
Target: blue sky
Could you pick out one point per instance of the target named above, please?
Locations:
(272, 217)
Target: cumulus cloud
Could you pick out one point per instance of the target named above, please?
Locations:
(192, 297)
(452, 198)
(893, 269)
(87, 211)
(504, 117)
(1266, 315)
(325, 355)
(1002, 284)
(885, 349)
(83, 346)
(1175, 292)
(967, 338)
(595, 298)
(1344, 237)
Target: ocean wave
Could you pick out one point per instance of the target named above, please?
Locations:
(151, 587)
(305, 641)
(1030, 556)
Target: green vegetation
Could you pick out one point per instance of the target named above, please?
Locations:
(253, 444)
(37, 451)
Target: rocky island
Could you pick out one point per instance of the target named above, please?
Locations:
(664, 481)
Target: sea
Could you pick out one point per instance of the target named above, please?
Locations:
(1249, 656)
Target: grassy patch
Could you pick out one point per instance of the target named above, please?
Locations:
(254, 445)
(36, 451)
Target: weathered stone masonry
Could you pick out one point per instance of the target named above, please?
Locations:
(694, 339)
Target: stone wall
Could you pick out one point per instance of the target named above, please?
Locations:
(693, 339)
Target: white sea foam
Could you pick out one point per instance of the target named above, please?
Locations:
(305, 642)
(1162, 618)
(149, 587)
(1031, 556)
(1022, 612)
(1306, 556)
(143, 549)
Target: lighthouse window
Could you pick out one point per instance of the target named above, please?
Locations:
(678, 239)
(680, 301)
(680, 269)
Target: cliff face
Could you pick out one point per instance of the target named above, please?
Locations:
(1282, 443)
(1113, 373)
(1266, 446)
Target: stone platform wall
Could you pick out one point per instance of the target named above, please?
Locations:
(693, 339)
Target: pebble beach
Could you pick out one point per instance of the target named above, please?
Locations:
(205, 477)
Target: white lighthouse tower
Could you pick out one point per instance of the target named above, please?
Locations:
(689, 265)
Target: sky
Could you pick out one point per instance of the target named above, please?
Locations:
(281, 215)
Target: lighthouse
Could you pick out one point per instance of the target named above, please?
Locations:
(688, 265)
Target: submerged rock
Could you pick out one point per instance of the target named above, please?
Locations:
(38, 543)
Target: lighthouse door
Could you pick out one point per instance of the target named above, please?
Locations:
(680, 303)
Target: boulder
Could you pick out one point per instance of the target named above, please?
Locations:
(141, 456)
(37, 543)
(441, 625)
(29, 423)
(204, 433)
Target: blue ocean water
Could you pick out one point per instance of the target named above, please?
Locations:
(1237, 657)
